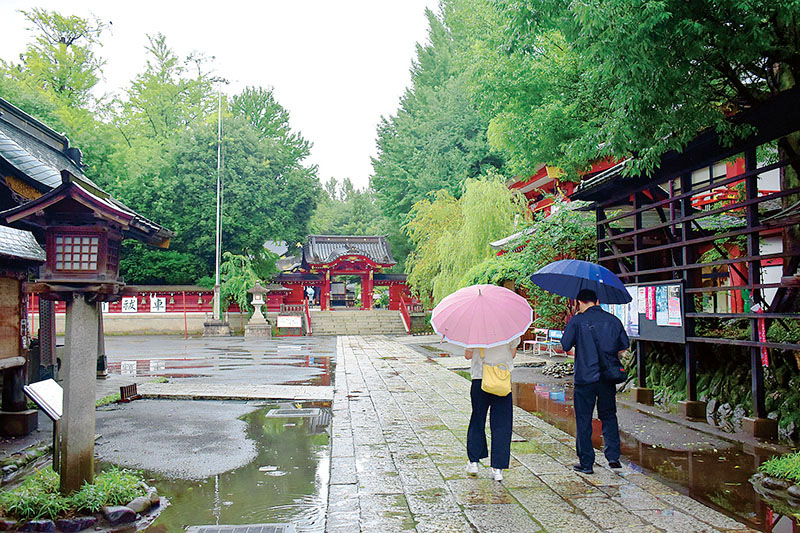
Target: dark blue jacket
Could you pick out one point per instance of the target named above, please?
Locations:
(608, 332)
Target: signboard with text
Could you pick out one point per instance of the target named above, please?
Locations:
(655, 312)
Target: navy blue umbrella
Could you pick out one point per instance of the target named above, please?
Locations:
(569, 276)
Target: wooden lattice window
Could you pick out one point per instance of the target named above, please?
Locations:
(76, 252)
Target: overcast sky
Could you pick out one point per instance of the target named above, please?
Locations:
(337, 66)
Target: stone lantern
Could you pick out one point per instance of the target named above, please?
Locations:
(83, 228)
(258, 326)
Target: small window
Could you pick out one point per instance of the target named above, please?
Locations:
(76, 253)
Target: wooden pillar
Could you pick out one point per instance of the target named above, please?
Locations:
(78, 370)
(366, 290)
(325, 293)
(690, 408)
(641, 394)
(600, 217)
(102, 362)
(759, 425)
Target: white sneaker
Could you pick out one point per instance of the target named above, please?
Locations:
(497, 473)
(472, 469)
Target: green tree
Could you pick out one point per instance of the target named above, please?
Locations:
(61, 57)
(54, 79)
(344, 210)
(270, 119)
(437, 138)
(452, 235)
(171, 94)
(262, 199)
(565, 233)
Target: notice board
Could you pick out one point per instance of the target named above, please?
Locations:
(655, 313)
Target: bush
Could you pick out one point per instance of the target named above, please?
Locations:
(784, 467)
(38, 496)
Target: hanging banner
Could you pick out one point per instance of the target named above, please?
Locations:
(762, 336)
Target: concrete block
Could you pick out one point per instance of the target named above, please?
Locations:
(763, 428)
(216, 328)
(692, 410)
(643, 395)
(258, 330)
(18, 423)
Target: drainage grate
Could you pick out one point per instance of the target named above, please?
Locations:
(250, 528)
(294, 413)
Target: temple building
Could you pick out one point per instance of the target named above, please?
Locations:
(328, 257)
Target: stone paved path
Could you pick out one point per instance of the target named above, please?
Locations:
(398, 456)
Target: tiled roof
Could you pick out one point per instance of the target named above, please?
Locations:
(322, 249)
(21, 159)
(20, 244)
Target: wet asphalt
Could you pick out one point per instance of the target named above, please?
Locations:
(185, 439)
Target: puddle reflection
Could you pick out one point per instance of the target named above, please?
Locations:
(286, 483)
(715, 477)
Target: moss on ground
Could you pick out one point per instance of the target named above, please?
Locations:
(105, 400)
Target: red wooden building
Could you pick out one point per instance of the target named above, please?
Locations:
(326, 257)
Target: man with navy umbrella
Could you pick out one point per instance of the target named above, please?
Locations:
(592, 332)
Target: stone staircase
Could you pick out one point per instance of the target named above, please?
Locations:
(357, 322)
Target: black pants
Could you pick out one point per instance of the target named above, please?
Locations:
(585, 396)
(500, 421)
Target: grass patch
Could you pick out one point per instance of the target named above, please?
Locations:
(464, 374)
(159, 379)
(783, 467)
(38, 496)
(526, 447)
(105, 400)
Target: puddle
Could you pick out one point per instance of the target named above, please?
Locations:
(286, 483)
(271, 362)
(710, 470)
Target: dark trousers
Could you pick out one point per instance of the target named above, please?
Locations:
(586, 396)
(500, 420)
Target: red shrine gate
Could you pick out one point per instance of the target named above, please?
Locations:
(328, 256)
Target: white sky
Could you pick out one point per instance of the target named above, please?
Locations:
(337, 66)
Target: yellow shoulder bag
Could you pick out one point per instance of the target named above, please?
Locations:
(496, 378)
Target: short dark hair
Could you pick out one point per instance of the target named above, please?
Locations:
(587, 296)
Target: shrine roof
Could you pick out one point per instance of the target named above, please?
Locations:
(96, 200)
(36, 151)
(322, 249)
(20, 244)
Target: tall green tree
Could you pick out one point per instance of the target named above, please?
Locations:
(262, 199)
(437, 138)
(345, 210)
(61, 58)
(54, 80)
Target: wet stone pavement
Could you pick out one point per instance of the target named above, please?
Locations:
(398, 455)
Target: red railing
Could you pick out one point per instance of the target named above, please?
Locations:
(405, 314)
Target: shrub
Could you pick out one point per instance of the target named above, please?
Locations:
(39, 497)
(784, 467)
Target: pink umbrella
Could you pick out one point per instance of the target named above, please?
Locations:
(482, 316)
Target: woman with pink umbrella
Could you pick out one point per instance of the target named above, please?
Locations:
(488, 321)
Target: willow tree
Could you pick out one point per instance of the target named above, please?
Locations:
(564, 233)
(452, 235)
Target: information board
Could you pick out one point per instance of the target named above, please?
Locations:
(290, 321)
(49, 396)
(655, 312)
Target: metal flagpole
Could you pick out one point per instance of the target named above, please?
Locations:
(217, 298)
